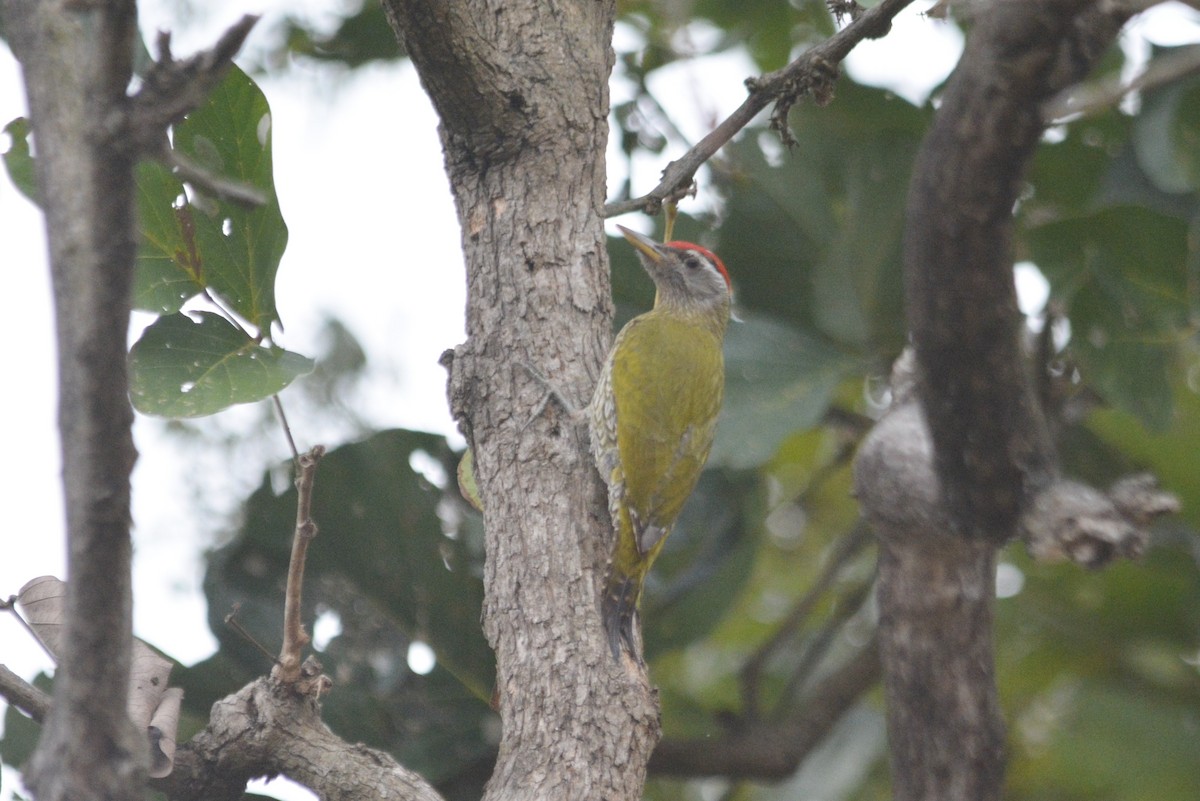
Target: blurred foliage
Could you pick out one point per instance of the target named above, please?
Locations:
(360, 36)
(1098, 671)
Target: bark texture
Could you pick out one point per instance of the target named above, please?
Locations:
(76, 62)
(521, 90)
(267, 728)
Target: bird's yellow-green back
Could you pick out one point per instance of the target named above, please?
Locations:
(654, 413)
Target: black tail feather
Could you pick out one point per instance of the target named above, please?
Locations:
(618, 609)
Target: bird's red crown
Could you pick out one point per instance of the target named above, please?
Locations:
(713, 257)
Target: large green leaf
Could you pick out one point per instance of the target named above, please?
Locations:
(233, 249)
(705, 562)
(778, 380)
(1082, 743)
(1122, 273)
(184, 367)
(170, 266)
(1169, 453)
(380, 531)
(812, 235)
(397, 560)
(1167, 133)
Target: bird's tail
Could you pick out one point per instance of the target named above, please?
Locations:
(618, 608)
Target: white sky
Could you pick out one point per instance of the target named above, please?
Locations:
(358, 170)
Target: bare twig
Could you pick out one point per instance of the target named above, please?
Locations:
(23, 695)
(222, 186)
(287, 431)
(812, 74)
(294, 637)
(235, 624)
(173, 88)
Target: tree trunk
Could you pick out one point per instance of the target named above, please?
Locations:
(522, 93)
(948, 472)
(76, 63)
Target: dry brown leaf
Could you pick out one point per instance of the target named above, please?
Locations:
(153, 707)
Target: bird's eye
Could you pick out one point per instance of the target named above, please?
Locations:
(692, 262)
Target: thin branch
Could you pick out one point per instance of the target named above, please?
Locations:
(173, 88)
(1083, 101)
(266, 728)
(23, 695)
(239, 192)
(812, 74)
(287, 431)
(235, 624)
(294, 636)
(819, 645)
(847, 547)
(768, 751)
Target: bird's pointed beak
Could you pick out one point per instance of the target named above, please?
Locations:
(648, 247)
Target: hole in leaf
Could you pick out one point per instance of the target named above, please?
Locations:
(421, 658)
(264, 129)
(327, 626)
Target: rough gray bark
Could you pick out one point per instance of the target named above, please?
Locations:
(76, 65)
(944, 495)
(266, 728)
(522, 92)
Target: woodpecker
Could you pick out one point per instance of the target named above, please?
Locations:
(653, 414)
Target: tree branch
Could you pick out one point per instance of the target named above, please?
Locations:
(991, 444)
(1092, 98)
(23, 695)
(287, 668)
(771, 750)
(77, 64)
(267, 729)
(173, 88)
(944, 497)
(812, 74)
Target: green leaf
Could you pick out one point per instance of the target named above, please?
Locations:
(397, 559)
(361, 37)
(1170, 453)
(190, 368)
(1082, 743)
(1167, 134)
(777, 381)
(813, 235)
(18, 160)
(1122, 273)
(705, 562)
(170, 269)
(238, 249)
